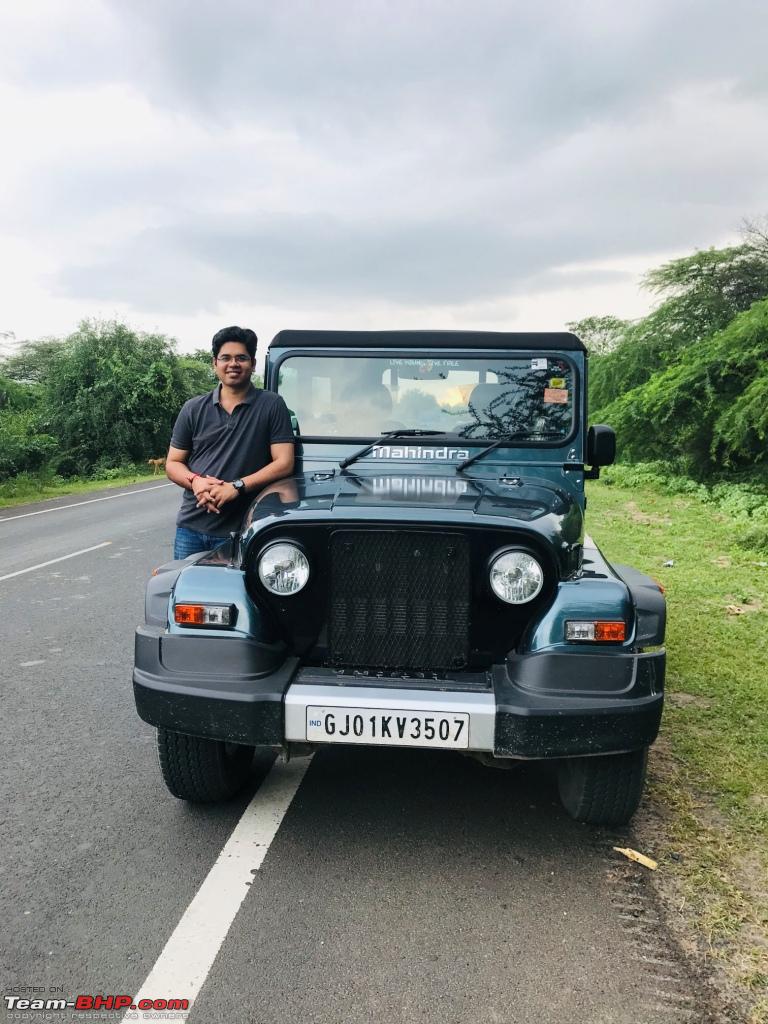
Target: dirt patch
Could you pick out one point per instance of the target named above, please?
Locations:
(752, 604)
(687, 700)
(645, 518)
(723, 561)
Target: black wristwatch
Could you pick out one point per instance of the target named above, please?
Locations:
(239, 486)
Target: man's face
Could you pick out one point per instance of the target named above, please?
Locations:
(233, 366)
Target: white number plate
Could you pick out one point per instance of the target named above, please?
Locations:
(388, 727)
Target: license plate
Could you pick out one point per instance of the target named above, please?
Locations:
(388, 727)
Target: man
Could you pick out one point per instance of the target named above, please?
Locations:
(226, 445)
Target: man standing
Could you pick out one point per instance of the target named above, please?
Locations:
(226, 445)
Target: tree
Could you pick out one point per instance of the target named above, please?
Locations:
(34, 361)
(601, 334)
(703, 293)
(114, 395)
(7, 340)
(197, 374)
(707, 289)
(755, 235)
(23, 447)
(709, 409)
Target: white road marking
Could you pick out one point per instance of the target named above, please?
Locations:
(29, 664)
(184, 964)
(53, 561)
(90, 501)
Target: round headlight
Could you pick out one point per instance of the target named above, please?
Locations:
(516, 577)
(283, 569)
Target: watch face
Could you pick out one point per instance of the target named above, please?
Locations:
(238, 485)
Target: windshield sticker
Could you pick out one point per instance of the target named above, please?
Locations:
(538, 364)
(426, 364)
(444, 454)
(556, 396)
(557, 382)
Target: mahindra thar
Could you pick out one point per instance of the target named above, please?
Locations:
(423, 579)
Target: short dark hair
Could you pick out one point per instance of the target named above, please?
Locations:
(242, 334)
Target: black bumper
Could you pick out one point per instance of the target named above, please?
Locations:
(548, 705)
(225, 688)
(556, 704)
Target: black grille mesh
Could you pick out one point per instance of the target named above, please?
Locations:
(399, 600)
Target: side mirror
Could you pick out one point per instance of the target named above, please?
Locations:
(601, 449)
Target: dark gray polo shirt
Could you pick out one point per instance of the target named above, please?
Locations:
(228, 446)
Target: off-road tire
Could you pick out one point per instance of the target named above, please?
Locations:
(604, 790)
(200, 770)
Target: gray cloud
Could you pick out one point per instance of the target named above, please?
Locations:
(516, 65)
(435, 153)
(314, 261)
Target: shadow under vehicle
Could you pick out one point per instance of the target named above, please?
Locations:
(423, 579)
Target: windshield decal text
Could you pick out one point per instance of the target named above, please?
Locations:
(444, 454)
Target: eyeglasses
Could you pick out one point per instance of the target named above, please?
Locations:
(237, 359)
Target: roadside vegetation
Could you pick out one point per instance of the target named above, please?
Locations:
(686, 389)
(92, 407)
(28, 487)
(705, 817)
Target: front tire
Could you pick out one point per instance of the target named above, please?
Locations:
(201, 770)
(603, 790)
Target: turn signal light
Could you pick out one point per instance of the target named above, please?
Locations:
(204, 615)
(600, 631)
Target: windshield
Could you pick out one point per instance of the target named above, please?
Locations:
(483, 398)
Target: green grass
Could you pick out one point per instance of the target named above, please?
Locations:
(708, 792)
(27, 487)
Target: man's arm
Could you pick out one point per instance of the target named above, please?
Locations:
(280, 466)
(177, 470)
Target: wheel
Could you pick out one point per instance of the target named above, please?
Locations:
(202, 770)
(603, 790)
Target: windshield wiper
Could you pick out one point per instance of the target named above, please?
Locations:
(506, 440)
(403, 432)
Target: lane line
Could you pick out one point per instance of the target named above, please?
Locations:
(53, 561)
(90, 501)
(184, 964)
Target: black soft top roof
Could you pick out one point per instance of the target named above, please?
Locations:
(427, 339)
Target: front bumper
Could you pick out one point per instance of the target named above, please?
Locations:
(543, 705)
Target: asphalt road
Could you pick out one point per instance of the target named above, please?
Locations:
(400, 886)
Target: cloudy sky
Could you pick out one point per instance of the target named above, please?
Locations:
(488, 164)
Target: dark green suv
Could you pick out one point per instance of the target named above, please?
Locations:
(422, 580)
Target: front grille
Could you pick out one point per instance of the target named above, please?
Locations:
(399, 600)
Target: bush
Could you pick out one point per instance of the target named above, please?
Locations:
(745, 503)
(66, 467)
(114, 395)
(703, 293)
(22, 448)
(709, 410)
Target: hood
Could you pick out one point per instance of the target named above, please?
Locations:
(529, 506)
(514, 500)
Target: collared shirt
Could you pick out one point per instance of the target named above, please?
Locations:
(228, 446)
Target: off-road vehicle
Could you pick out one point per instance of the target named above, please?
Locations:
(422, 580)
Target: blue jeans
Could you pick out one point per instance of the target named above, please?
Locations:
(191, 542)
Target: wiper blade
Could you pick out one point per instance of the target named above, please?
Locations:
(403, 432)
(519, 436)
